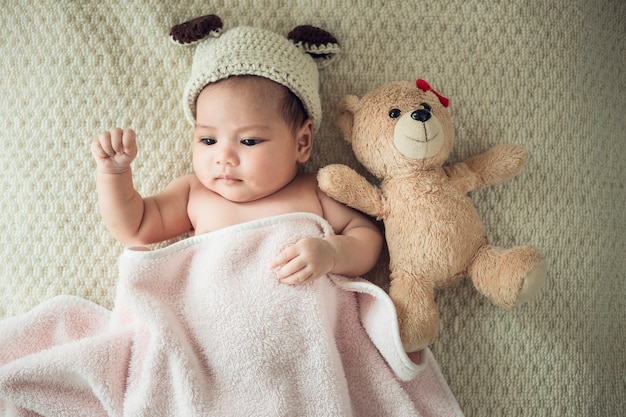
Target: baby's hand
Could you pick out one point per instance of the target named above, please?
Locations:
(309, 258)
(114, 150)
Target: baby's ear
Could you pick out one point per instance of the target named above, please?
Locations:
(318, 43)
(305, 141)
(195, 30)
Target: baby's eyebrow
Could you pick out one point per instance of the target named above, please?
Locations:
(259, 126)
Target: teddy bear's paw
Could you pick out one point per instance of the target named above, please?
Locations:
(513, 158)
(516, 157)
(500, 163)
(334, 180)
(533, 282)
(328, 176)
(347, 186)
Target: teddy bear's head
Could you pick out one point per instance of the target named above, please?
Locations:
(398, 128)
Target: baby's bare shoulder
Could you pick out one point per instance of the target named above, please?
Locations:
(307, 178)
(184, 181)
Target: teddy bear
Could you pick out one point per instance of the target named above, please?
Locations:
(403, 135)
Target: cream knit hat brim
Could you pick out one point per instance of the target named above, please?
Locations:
(253, 51)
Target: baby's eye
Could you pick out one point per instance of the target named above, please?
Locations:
(208, 141)
(250, 142)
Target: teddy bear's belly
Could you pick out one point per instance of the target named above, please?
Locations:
(441, 235)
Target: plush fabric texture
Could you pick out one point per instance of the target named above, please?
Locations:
(546, 75)
(433, 233)
(203, 327)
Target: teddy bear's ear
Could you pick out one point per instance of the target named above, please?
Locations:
(195, 30)
(318, 43)
(347, 107)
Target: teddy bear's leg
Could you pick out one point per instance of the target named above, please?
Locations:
(508, 277)
(418, 317)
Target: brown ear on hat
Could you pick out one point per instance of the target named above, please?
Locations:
(196, 29)
(318, 43)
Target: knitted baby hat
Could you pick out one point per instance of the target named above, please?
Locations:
(292, 61)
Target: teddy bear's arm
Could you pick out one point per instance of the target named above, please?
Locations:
(499, 164)
(350, 188)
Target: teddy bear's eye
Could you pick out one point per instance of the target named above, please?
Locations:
(426, 106)
(394, 113)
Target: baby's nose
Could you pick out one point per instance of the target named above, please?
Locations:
(227, 157)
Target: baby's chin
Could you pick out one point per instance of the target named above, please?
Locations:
(243, 197)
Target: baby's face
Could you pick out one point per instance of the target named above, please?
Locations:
(243, 148)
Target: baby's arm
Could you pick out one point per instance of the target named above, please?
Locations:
(352, 251)
(130, 218)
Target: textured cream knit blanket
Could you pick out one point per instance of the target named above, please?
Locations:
(546, 75)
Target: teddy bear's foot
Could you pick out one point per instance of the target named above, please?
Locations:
(414, 339)
(532, 284)
(418, 318)
(509, 277)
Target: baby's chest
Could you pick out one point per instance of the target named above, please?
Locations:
(208, 211)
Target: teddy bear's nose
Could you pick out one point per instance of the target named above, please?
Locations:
(420, 115)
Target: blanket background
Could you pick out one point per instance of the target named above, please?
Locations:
(549, 76)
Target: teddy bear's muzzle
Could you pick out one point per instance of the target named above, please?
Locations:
(417, 135)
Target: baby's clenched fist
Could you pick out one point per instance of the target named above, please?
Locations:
(114, 150)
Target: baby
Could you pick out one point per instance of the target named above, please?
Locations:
(254, 124)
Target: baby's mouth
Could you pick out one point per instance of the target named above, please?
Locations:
(228, 179)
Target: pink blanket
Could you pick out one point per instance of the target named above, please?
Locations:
(203, 328)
